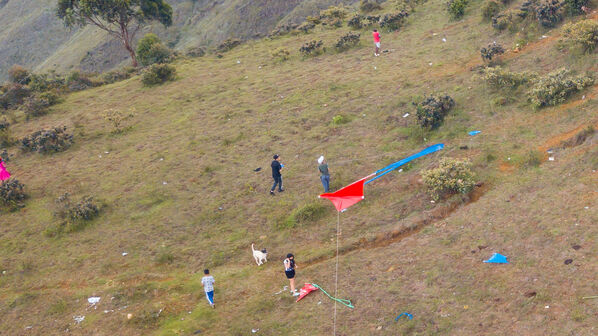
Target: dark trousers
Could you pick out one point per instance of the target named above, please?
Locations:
(325, 182)
(277, 181)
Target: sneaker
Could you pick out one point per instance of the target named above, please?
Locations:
(271, 192)
(296, 294)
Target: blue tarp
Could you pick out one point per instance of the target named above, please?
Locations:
(497, 258)
(472, 133)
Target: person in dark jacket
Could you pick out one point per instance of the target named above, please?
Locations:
(276, 175)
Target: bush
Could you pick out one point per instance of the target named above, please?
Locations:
(372, 19)
(451, 177)
(5, 138)
(196, 52)
(508, 19)
(158, 74)
(556, 87)
(393, 21)
(493, 49)
(355, 22)
(303, 215)
(333, 13)
(305, 27)
(369, 6)
(35, 106)
(18, 74)
(456, 8)
(311, 48)
(46, 82)
(500, 78)
(73, 212)
(347, 41)
(548, 12)
(490, 9)
(280, 54)
(77, 81)
(12, 193)
(573, 7)
(583, 34)
(340, 119)
(432, 110)
(316, 20)
(48, 141)
(12, 95)
(150, 50)
(228, 44)
(118, 75)
(118, 120)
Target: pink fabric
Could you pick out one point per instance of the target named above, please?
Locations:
(4, 174)
(376, 36)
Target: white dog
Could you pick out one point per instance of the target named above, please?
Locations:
(259, 255)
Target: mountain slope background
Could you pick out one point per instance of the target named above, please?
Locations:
(31, 35)
(180, 193)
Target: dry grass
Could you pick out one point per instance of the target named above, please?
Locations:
(206, 132)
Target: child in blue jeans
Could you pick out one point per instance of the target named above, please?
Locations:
(208, 286)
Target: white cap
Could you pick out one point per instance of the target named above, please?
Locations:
(321, 159)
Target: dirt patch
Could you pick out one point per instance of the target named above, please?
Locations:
(506, 167)
(384, 239)
(564, 137)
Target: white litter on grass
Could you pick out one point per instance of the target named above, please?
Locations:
(108, 311)
(543, 37)
(28, 327)
(586, 207)
(238, 62)
(434, 34)
(106, 152)
(100, 156)
(282, 290)
(375, 68)
(259, 67)
(254, 330)
(79, 319)
(124, 254)
(93, 300)
(546, 307)
(400, 170)
(405, 115)
(551, 158)
(165, 183)
(319, 302)
(583, 97)
(430, 63)
(509, 159)
(443, 39)
(161, 159)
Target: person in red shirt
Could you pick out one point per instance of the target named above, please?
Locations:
(376, 36)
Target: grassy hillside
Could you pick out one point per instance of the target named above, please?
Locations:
(31, 35)
(180, 194)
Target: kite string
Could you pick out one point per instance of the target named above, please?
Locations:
(338, 223)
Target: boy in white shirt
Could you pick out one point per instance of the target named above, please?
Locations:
(208, 286)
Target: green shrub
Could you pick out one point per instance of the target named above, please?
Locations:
(556, 87)
(157, 74)
(311, 48)
(228, 44)
(451, 177)
(347, 41)
(304, 215)
(73, 213)
(573, 7)
(583, 34)
(46, 82)
(333, 13)
(18, 74)
(355, 22)
(280, 54)
(195, 52)
(150, 50)
(13, 95)
(117, 75)
(548, 12)
(77, 81)
(493, 49)
(119, 120)
(456, 8)
(47, 141)
(12, 193)
(393, 21)
(367, 6)
(509, 19)
(5, 138)
(432, 110)
(532, 158)
(372, 20)
(316, 20)
(35, 106)
(340, 119)
(305, 27)
(490, 9)
(500, 78)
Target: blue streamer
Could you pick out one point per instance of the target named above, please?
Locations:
(472, 133)
(389, 168)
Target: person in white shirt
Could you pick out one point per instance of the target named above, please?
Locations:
(208, 286)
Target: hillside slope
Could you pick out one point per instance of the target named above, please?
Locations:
(181, 193)
(31, 35)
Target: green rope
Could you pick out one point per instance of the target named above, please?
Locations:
(343, 301)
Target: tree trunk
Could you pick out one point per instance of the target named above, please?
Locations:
(132, 53)
(124, 31)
